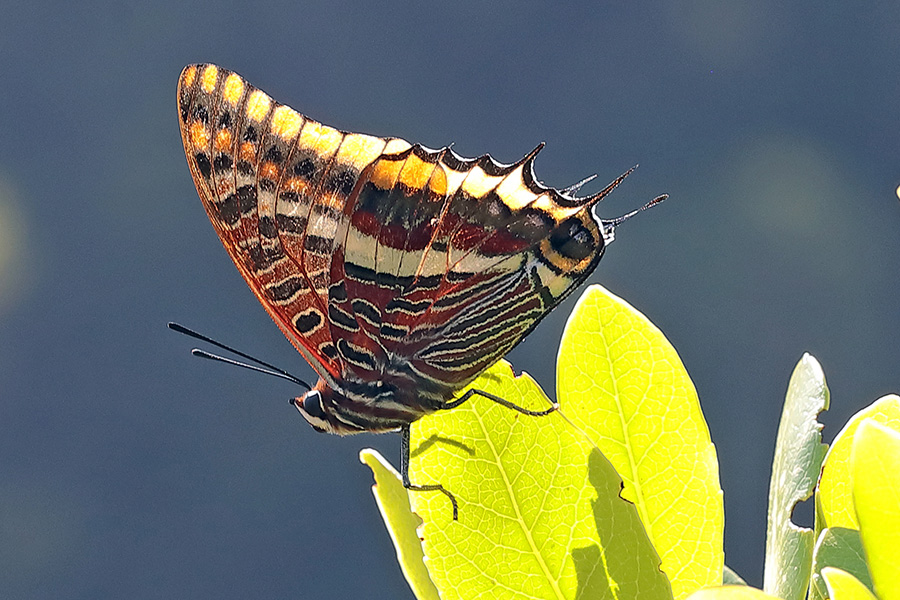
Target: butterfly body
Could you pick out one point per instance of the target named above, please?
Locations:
(400, 273)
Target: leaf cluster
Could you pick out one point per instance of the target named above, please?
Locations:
(617, 494)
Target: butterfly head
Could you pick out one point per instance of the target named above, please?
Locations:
(321, 407)
(316, 407)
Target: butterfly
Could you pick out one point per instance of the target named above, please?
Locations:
(399, 272)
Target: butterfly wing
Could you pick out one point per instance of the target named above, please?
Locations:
(451, 262)
(273, 183)
(381, 261)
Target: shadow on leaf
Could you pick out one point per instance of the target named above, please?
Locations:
(433, 439)
(625, 565)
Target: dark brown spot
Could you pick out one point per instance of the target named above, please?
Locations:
(306, 322)
(267, 227)
(342, 182)
(492, 212)
(341, 318)
(305, 168)
(360, 357)
(260, 259)
(367, 311)
(372, 199)
(317, 244)
(288, 196)
(246, 196)
(201, 114)
(291, 224)
(393, 332)
(287, 289)
(228, 210)
(273, 154)
(223, 162)
(203, 163)
(337, 292)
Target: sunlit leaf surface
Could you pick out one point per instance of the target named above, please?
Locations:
(834, 498)
(540, 514)
(621, 382)
(875, 472)
(844, 586)
(393, 502)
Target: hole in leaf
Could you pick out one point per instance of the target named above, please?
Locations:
(803, 514)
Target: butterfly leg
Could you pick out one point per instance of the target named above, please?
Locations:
(554, 406)
(404, 473)
(404, 440)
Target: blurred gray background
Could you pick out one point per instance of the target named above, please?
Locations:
(130, 469)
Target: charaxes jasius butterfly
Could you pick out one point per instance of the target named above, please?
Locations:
(400, 273)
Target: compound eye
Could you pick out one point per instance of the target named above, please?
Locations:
(312, 404)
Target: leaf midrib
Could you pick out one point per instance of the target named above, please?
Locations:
(554, 584)
(639, 500)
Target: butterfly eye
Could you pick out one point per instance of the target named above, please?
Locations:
(312, 404)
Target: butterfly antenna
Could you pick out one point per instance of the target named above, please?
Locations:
(269, 369)
(619, 220)
(609, 225)
(230, 361)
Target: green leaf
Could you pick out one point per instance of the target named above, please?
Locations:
(621, 382)
(834, 499)
(875, 473)
(393, 502)
(730, 577)
(844, 586)
(840, 548)
(540, 514)
(798, 459)
(731, 592)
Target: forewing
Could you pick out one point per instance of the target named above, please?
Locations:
(274, 183)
